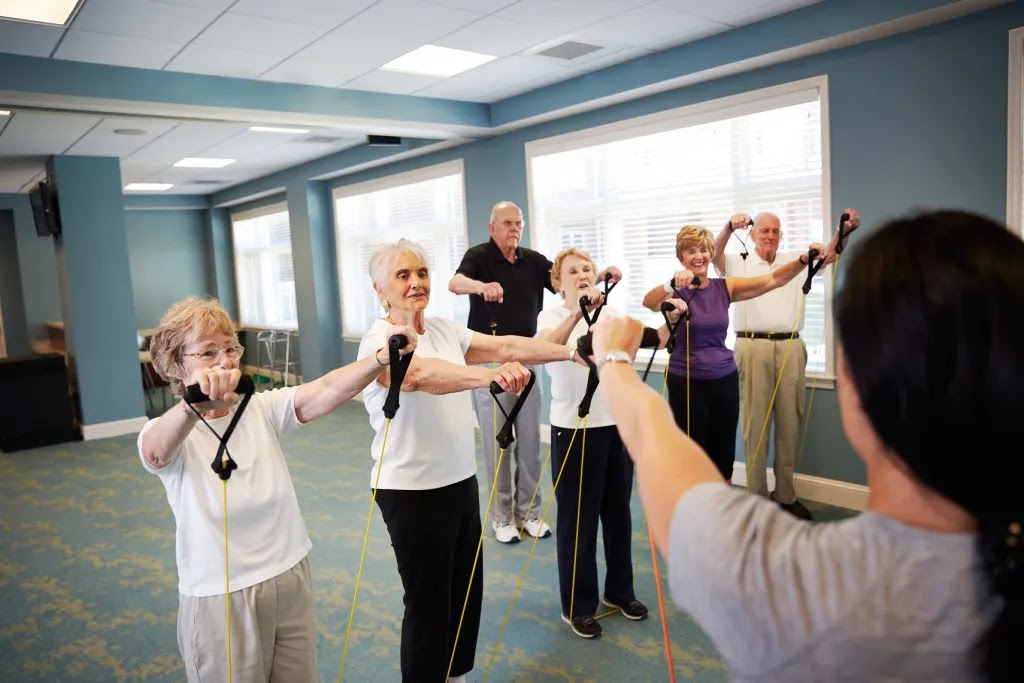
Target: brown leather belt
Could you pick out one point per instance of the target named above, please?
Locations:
(772, 336)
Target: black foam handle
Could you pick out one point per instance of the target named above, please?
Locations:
(666, 307)
(648, 340)
(399, 366)
(193, 394)
(842, 233)
(496, 388)
(398, 341)
(695, 282)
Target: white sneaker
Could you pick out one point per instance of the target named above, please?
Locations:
(536, 528)
(506, 532)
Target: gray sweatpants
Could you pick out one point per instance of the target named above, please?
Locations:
(525, 451)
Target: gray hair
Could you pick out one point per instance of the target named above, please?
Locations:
(384, 256)
(759, 218)
(502, 205)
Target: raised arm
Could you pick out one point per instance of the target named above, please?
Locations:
(744, 288)
(668, 463)
(560, 334)
(487, 348)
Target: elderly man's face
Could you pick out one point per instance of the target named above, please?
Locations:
(507, 227)
(767, 234)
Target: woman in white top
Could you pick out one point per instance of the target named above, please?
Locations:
(273, 623)
(607, 472)
(928, 583)
(427, 487)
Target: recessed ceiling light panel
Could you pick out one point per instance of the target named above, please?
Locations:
(201, 162)
(56, 12)
(147, 187)
(431, 60)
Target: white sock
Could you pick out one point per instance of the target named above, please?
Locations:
(457, 679)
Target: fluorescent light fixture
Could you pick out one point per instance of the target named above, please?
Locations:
(431, 60)
(200, 162)
(4, 112)
(275, 129)
(147, 187)
(42, 11)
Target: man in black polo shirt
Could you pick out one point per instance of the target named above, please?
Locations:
(507, 283)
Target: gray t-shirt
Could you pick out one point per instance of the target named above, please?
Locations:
(865, 599)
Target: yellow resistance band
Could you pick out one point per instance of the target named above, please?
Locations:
(476, 559)
(366, 538)
(227, 580)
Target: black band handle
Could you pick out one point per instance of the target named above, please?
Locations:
(585, 342)
(505, 437)
(812, 269)
(399, 366)
(193, 394)
(842, 234)
(223, 464)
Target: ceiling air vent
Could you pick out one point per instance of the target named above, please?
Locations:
(569, 50)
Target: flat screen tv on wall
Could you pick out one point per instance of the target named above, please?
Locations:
(44, 209)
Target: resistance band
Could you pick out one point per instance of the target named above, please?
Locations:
(399, 366)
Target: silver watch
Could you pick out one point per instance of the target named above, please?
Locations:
(616, 356)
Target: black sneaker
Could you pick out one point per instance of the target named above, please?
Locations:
(584, 627)
(634, 610)
(796, 508)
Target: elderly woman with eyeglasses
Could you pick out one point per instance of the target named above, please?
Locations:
(273, 624)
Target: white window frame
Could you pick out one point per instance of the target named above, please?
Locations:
(714, 110)
(447, 168)
(277, 207)
(1015, 135)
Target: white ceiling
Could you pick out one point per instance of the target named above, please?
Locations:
(333, 43)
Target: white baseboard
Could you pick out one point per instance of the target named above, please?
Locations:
(829, 491)
(105, 430)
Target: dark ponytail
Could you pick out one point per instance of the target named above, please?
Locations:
(931, 318)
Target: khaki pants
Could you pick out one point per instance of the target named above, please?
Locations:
(273, 632)
(762, 360)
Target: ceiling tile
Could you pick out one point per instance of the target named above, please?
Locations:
(103, 141)
(104, 48)
(604, 59)
(218, 5)
(498, 37)
(40, 133)
(322, 13)
(140, 171)
(258, 34)
(566, 15)
(734, 12)
(188, 139)
(482, 6)
(391, 82)
(22, 38)
(483, 83)
(245, 147)
(144, 19)
(651, 26)
(307, 71)
(376, 36)
(219, 61)
(18, 171)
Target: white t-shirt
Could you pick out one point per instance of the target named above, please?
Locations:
(431, 440)
(266, 532)
(775, 311)
(569, 380)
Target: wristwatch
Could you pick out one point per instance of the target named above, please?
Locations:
(616, 356)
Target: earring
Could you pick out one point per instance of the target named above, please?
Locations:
(385, 304)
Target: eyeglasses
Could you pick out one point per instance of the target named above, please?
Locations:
(213, 355)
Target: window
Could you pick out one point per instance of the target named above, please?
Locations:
(426, 206)
(623, 191)
(263, 268)
(1015, 136)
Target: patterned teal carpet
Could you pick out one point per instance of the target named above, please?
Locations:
(88, 584)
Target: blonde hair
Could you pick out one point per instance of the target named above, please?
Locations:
(182, 324)
(693, 236)
(556, 266)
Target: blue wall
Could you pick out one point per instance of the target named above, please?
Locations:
(167, 252)
(12, 303)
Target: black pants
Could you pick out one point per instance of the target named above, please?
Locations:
(714, 414)
(435, 559)
(607, 487)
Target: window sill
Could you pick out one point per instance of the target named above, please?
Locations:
(816, 381)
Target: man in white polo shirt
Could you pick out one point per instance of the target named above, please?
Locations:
(764, 327)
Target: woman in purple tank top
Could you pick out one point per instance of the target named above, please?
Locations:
(714, 399)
